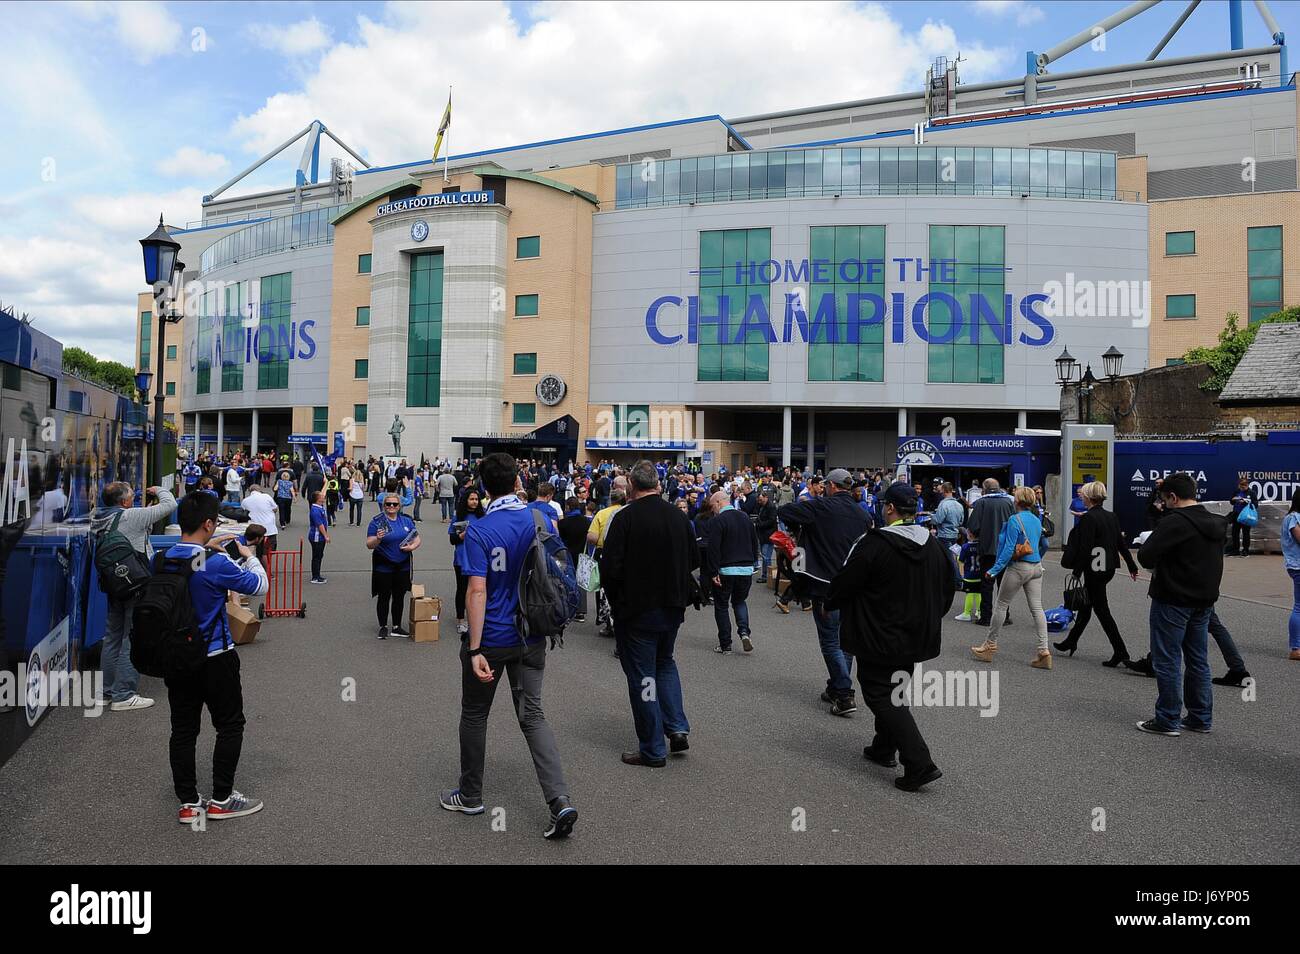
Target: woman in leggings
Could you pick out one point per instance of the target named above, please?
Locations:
(390, 576)
(1024, 573)
(469, 509)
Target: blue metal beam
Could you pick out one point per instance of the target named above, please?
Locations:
(1234, 25)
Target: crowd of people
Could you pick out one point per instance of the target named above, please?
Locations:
(875, 558)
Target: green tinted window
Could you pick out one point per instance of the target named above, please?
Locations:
(361, 368)
(424, 331)
(974, 278)
(171, 352)
(525, 306)
(363, 315)
(847, 349)
(146, 337)
(1264, 271)
(1180, 243)
(273, 343)
(731, 272)
(363, 264)
(524, 414)
(1180, 306)
(530, 246)
(526, 363)
(320, 419)
(360, 413)
(171, 388)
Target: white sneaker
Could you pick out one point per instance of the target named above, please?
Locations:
(135, 702)
(963, 618)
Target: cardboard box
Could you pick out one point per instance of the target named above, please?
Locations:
(425, 631)
(417, 591)
(426, 609)
(244, 624)
(782, 587)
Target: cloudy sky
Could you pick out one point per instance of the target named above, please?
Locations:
(114, 112)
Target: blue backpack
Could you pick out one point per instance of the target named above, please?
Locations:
(548, 586)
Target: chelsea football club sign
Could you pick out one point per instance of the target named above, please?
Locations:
(436, 200)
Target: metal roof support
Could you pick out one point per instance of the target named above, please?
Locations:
(257, 165)
(1088, 35)
(346, 148)
(1174, 29)
(1278, 36)
(1235, 38)
(310, 155)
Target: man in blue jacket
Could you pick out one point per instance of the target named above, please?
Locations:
(217, 685)
(492, 557)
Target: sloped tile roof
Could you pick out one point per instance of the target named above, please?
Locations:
(1270, 370)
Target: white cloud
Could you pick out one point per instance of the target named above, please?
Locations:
(145, 27)
(192, 161)
(515, 86)
(296, 39)
(1026, 13)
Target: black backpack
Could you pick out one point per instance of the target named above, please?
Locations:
(165, 637)
(548, 586)
(122, 569)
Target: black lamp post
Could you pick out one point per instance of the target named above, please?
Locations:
(1086, 384)
(162, 271)
(1112, 361)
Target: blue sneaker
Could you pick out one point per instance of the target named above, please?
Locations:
(454, 802)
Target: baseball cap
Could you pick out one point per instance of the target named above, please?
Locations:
(901, 495)
(840, 477)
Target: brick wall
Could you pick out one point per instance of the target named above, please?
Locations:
(1159, 401)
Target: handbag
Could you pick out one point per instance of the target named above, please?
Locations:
(1249, 516)
(588, 573)
(1022, 549)
(1075, 598)
(784, 542)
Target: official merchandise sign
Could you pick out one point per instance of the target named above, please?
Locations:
(436, 200)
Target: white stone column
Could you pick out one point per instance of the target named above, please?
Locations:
(198, 432)
(252, 436)
(902, 422)
(221, 433)
(787, 435)
(1022, 420)
(812, 443)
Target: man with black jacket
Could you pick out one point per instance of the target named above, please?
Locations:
(893, 592)
(646, 563)
(1185, 555)
(731, 550)
(989, 513)
(827, 527)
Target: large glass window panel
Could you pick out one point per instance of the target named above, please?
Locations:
(1002, 171)
(740, 174)
(758, 175)
(1092, 174)
(672, 179)
(704, 178)
(870, 171)
(1074, 173)
(927, 172)
(888, 170)
(1108, 174)
(851, 170)
(424, 332)
(812, 171)
(831, 170)
(794, 172)
(983, 169)
(776, 173)
(1056, 171)
(688, 186)
(1020, 170)
(907, 171)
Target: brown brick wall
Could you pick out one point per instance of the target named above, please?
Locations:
(1159, 401)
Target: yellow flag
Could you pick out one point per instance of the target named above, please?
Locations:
(442, 128)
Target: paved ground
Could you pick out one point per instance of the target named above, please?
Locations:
(358, 781)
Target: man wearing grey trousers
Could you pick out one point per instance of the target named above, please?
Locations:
(121, 681)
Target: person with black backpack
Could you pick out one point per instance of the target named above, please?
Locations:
(495, 554)
(183, 609)
(121, 533)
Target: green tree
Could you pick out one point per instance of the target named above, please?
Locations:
(112, 374)
(1234, 342)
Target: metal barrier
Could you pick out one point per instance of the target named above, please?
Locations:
(284, 592)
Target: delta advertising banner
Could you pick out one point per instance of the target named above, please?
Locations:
(1271, 465)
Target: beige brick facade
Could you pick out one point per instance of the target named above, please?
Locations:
(174, 368)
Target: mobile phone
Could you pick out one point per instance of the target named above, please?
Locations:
(232, 550)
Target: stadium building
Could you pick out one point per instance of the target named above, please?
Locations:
(818, 282)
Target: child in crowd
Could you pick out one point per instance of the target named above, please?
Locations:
(971, 574)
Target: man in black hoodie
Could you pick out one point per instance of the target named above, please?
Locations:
(892, 593)
(827, 527)
(1185, 556)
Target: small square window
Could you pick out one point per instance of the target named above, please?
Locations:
(1180, 306)
(171, 388)
(529, 246)
(362, 368)
(320, 419)
(363, 316)
(363, 264)
(525, 306)
(526, 363)
(524, 414)
(360, 413)
(1180, 243)
(171, 352)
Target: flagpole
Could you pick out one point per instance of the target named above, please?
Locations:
(447, 155)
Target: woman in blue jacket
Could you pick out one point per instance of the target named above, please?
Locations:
(1024, 571)
(468, 509)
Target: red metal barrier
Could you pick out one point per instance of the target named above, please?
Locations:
(284, 593)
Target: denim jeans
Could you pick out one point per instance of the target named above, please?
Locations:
(654, 687)
(1227, 645)
(233, 496)
(733, 592)
(1179, 656)
(120, 678)
(1293, 624)
(839, 665)
(448, 507)
(765, 557)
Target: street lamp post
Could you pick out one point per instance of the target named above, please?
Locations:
(163, 271)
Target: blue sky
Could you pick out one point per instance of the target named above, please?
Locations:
(113, 112)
